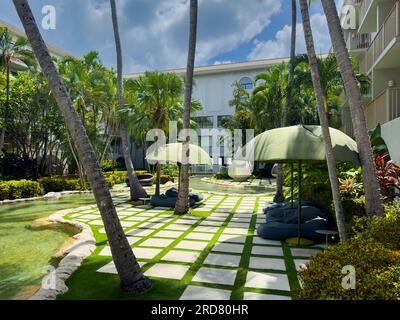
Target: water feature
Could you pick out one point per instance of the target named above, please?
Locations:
(25, 249)
(197, 183)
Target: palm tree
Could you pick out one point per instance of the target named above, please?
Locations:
(132, 279)
(373, 198)
(323, 119)
(10, 51)
(182, 204)
(136, 189)
(159, 96)
(279, 179)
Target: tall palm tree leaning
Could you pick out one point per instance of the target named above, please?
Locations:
(10, 50)
(312, 58)
(374, 202)
(279, 179)
(182, 204)
(132, 278)
(136, 189)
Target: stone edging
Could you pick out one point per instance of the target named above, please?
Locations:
(83, 247)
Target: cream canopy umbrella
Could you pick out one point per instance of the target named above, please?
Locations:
(173, 153)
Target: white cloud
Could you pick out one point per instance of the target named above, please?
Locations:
(280, 46)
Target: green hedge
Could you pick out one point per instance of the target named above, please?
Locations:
(20, 189)
(58, 184)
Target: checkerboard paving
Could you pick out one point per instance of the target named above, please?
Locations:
(214, 252)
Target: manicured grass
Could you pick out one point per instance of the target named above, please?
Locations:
(87, 283)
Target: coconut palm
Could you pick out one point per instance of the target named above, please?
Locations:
(374, 202)
(159, 97)
(136, 189)
(132, 279)
(182, 204)
(11, 51)
(333, 178)
(279, 197)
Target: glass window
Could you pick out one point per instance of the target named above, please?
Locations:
(222, 120)
(247, 83)
(204, 122)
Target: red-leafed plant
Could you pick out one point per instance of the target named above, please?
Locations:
(388, 174)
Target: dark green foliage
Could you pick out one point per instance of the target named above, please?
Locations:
(60, 183)
(21, 189)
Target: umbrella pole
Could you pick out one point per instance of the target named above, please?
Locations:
(299, 206)
(179, 177)
(292, 186)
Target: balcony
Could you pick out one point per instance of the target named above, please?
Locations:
(358, 41)
(367, 16)
(385, 108)
(386, 38)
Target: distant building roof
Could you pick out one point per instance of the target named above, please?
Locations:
(21, 33)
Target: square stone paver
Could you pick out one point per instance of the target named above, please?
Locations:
(134, 218)
(215, 276)
(239, 231)
(211, 223)
(267, 264)
(96, 222)
(168, 271)
(261, 296)
(168, 234)
(238, 225)
(228, 247)
(151, 225)
(206, 229)
(157, 243)
(231, 238)
(272, 281)
(146, 253)
(300, 252)
(133, 240)
(192, 245)
(199, 236)
(139, 232)
(258, 240)
(178, 227)
(267, 251)
(110, 267)
(181, 256)
(184, 221)
(203, 293)
(224, 260)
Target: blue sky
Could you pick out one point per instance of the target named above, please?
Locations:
(154, 32)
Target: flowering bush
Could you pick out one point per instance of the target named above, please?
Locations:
(377, 273)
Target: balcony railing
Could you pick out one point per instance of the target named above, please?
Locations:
(388, 31)
(358, 41)
(385, 108)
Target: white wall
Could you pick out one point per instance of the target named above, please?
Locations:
(215, 91)
(391, 134)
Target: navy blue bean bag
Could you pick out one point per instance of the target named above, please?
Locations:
(281, 224)
(173, 193)
(167, 202)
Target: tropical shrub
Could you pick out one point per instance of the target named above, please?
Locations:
(376, 267)
(383, 230)
(353, 207)
(119, 177)
(164, 179)
(20, 189)
(170, 170)
(60, 183)
(388, 175)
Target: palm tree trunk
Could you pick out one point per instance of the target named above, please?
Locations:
(279, 179)
(374, 202)
(312, 58)
(182, 204)
(7, 108)
(132, 279)
(158, 178)
(136, 189)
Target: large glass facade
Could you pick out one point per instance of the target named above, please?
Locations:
(204, 122)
